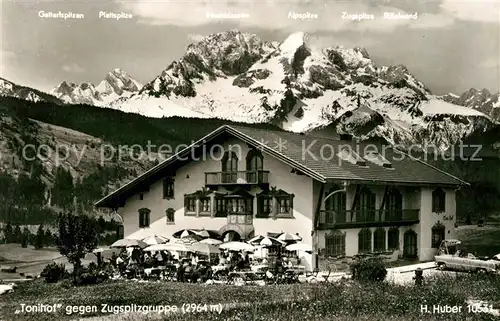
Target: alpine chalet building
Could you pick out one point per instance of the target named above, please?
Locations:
(340, 196)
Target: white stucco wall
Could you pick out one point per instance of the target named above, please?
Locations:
(280, 176)
(428, 219)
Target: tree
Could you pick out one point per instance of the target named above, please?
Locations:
(9, 233)
(48, 238)
(25, 237)
(101, 223)
(77, 237)
(39, 238)
(17, 235)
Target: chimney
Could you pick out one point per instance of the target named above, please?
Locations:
(346, 137)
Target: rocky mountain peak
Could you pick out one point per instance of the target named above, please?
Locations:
(479, 99)
(116, 84)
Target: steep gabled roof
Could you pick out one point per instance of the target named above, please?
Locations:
(313, 156)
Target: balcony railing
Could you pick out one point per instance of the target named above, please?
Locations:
(367, 218)
(239, 177)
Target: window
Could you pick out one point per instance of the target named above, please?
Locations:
(364, 241)
(284, 204)
(120, 233)
(190, 205)
(438, 201)
(335, 206)
(255, 163)
(365, 205)
(335, 244)
(438, 235)
(220, 207)
(229, 167)
(144, 217)
(205, 206)
(170, 215)
(168, 188)
(264, 205)
(379, 240)
(394, 205)
(393, 239)
(239, 205)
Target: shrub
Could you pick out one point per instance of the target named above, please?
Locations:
(92, 275)
(368, 269)
(53, 272)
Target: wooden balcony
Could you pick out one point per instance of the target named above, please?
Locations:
(366, 218)
(236, 178)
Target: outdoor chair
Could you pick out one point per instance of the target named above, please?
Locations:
(313, 274)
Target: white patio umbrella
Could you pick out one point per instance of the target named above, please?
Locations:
(299, 247)
(184, 233)
(101, 249)
(271, 241)
(256, 239)
(155, 239)
(170, 247)
(187, 240)
(287, 237)
(211, 241)
(236, 246)
(129, 243)
(158, 247)
(205, 248)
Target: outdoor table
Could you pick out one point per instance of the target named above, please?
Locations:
(217, 268)
(259, 268)
(297, 269)
(156, 270)
(245, 275)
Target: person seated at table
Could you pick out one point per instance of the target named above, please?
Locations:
(264, 261)
(148, 261)
(181, 273)
(246, 260)
(222, 259)
(189, 272)
(278, 265)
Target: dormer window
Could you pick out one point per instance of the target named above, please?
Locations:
(264, 204)
(377, 159)
(205, 206)
(284, 204)
(438, 201)
(190, 205)
(350, 156)
(239, 202)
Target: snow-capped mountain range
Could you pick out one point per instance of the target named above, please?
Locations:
(479, 99)
(116, 84)
(237, 76)
(10, 89)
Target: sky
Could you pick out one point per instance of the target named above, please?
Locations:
(451, 46)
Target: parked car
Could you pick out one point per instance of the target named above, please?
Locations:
(452, 256)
